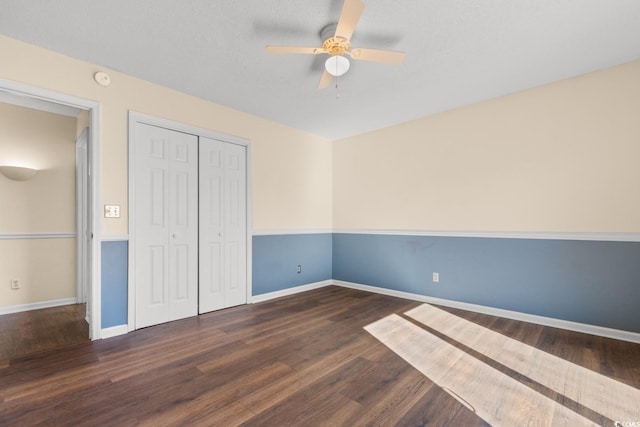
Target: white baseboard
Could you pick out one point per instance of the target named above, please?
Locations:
(37, 305)
(114, 331)
(290, 291)
(523, 317)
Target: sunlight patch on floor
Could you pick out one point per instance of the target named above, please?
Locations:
(493, 396)
(611, 398)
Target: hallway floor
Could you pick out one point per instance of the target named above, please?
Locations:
(34, 331)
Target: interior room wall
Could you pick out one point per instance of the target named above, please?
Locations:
(526, 203)
(289, 192)
(558, 158)
(291, 171)
(45, 203)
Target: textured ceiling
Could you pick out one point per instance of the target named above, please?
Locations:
(458, 51)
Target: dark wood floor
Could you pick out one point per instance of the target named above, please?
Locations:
(40, 330)
(299, 360)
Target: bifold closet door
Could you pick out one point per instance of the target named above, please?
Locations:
(166, 225)
(222, 236)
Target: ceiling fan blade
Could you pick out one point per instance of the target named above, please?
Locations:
(349, 17)
(295, 49)
(376, 55)
(325, 80)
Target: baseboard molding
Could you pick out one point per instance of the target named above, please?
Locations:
(37, 305)
(523, 317)
(114, 331)
(290, 291)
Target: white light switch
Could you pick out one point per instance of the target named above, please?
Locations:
(112, 211)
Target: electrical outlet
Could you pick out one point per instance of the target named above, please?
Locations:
(436, 277)
(299, 269)
(15, 284)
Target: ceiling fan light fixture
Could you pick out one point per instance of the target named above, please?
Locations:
(337, 65)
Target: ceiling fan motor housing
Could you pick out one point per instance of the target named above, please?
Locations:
(336, 45)
(332, 44)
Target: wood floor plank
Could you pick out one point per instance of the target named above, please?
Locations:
(218, 405)
(305, 359)
(316, 405)
(600, 393)
(437, 408)
(35, 331)
(474, 383)
(285, 386)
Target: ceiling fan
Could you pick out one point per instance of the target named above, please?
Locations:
(337, 45)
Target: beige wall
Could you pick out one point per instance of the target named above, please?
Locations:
(43, 204)
(558, 158)
(288, 191)
(45, 269)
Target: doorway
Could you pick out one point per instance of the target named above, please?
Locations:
(87, 285)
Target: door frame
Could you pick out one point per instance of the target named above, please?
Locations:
(82, 216)
(134, 118)
(93, 180)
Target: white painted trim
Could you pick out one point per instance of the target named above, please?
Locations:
(523, 317)
(39, 104)
(131, 259)
(293, 231)
(135, 117)
(249, 219)
(116, 238)
(25, 236)
(37, 305)
(611, 237)
(21, 89)
(94, 303)
(185, 128)
(83, 267)
(114, 331)
(290, 291)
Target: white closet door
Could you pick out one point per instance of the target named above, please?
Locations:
(223, 280)
(235, 233)
(166, 200)
(183, 225)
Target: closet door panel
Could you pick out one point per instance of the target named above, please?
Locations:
(235, 225)
(166, 229)
(183, 218)
(223, 253)
(151, 225)
(211, 237)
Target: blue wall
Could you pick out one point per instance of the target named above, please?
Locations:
(275, 259)
(114, 283)
(590, 282)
